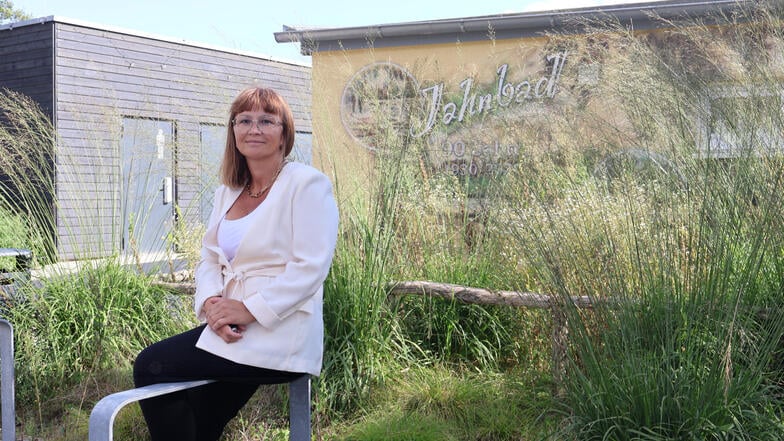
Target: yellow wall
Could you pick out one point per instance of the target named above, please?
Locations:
(581, 90)
(337, 145)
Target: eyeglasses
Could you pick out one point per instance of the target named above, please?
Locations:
(245, 123)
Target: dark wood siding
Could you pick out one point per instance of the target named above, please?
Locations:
(26, 67)
(103, 76)
(26, 62)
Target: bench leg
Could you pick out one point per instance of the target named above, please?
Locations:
(7, 380)
(299, 409)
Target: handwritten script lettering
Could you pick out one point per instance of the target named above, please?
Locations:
(473, 103)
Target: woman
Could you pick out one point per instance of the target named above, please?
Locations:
(265, 255)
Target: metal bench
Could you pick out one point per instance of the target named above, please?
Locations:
(102, 415)
(7, 380)
(18, 274)
(23, 258)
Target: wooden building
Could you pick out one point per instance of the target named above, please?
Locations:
(141, 123)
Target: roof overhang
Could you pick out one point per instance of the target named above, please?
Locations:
(640, 16)
(119, 30)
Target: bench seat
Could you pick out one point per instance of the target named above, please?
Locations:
(102, 416)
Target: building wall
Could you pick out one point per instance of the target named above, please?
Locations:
(96, 80)
(476, 107)
(441, 72)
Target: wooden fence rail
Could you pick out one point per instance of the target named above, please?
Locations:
(481, 296)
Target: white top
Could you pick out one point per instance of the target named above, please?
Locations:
(231, 232)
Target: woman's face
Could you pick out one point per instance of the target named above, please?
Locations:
(258, 135)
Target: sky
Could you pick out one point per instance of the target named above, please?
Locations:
(249, 26)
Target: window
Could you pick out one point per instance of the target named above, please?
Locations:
(742, 121)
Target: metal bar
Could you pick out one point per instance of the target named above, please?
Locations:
(299, 409)
(7, 380)
(103, 414)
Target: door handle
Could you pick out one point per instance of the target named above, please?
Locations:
(167, 191)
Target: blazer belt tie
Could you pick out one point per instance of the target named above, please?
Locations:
(240, 276)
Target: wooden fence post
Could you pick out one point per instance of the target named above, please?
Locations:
(560, 346)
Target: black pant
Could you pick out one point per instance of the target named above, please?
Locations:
(197, 414)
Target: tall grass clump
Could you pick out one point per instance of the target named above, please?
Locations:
(407, 223)
(75, 326)
(676, 238)
(441, 237)
(430, 244)
(27, 141)
(360, 338)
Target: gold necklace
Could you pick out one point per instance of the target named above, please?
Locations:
(259, 193)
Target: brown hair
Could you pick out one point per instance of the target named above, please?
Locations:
(234, 168)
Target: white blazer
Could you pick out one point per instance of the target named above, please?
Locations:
(278, 272)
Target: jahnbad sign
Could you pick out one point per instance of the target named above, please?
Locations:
(466, 128)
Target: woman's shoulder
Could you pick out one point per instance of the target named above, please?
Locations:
(225, 193)
(304, 172)
(224, 190)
